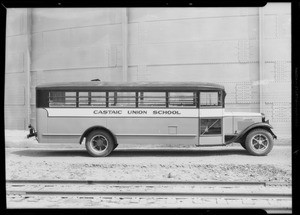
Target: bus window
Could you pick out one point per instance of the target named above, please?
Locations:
(98, 99)
(182, 99)
(58, 99)
(122, 99)
(210, 99)
(152, 99)
(84, 99)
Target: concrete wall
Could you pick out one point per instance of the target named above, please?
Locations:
(217, 45)
(75, 45)
(245, 49)
(17, 68)
(276, 65)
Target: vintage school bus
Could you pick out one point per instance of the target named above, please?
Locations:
(102, 115)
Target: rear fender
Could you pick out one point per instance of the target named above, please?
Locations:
(245, 132)
(87, 131)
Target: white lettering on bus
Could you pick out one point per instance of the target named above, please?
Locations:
(166, 112)
(107, 112)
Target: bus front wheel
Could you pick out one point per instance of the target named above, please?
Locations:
(259, 142)
(99, 143)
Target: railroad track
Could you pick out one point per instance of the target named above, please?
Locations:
(273, 197)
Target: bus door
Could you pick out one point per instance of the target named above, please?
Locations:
(210, 119)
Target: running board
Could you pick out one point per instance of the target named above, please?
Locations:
(206, 145)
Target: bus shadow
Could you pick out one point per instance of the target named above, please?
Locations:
(51, 153)
(132, 153)
(176, 153)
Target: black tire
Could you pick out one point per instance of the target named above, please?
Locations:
(259, 142)
(99, 143)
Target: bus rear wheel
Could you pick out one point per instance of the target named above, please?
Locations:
(259, 142)
(99, 143)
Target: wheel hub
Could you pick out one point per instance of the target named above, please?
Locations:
(99, 143)
(259, 142)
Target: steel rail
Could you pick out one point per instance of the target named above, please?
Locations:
(143, 193)
(126, 193)
(137, 182)
(239, 194)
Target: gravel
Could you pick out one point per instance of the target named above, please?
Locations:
(20, 165)
(230, 163)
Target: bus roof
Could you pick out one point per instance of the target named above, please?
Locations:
(127, 86)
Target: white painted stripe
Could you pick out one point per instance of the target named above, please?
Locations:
(148, 135)
(160, 135)
(120, 112)
(142, 112)
(59, 134)
(242, 114)
(213, 112)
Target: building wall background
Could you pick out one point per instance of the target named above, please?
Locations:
(248, 50)
(17, 68)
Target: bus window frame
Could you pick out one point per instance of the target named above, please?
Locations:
(221, 98)
(195, 99)
(139, 96)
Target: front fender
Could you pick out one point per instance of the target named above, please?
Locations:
(244, 133)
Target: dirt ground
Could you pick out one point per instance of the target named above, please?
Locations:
(229, 163)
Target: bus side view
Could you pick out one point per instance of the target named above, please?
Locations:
(103, 115)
